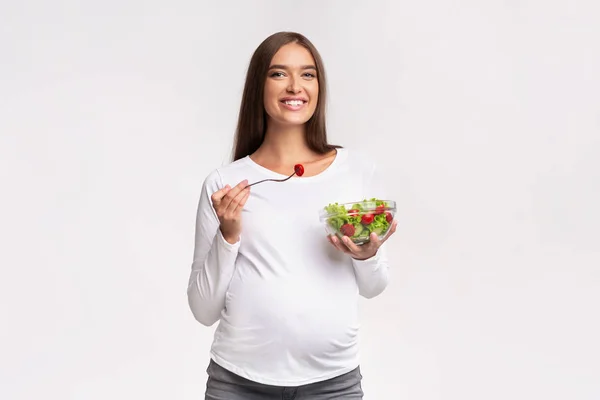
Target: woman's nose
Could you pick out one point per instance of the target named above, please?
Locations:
(293, 86)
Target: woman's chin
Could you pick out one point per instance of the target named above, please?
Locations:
(292, 120)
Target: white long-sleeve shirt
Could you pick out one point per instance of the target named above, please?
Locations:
(287, 300)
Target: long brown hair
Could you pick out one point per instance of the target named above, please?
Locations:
(252, 120)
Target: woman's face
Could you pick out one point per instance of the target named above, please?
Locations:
(292, 86)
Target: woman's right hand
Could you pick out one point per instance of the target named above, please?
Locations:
(228, 203)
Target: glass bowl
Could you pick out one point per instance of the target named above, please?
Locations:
(358, 219)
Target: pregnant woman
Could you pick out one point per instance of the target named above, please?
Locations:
(284, 293)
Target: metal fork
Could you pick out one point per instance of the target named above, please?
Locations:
(272, 180)
(298, 170)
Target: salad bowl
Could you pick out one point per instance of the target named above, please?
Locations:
(358, 220)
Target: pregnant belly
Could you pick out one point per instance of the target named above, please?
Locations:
(297, 318)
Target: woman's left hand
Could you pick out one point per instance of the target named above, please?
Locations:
(364, 251)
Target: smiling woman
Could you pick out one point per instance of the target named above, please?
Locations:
(292, 88)
(286, 66)
(285, 296)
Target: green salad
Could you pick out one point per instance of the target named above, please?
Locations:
(360, 220)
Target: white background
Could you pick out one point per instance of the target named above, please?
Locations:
(485, 114)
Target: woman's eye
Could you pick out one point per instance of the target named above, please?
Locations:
(309, 75)
(277, 74)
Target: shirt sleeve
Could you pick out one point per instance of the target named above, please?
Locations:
(372, 274)
(213, 261)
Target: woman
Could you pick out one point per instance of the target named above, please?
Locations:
(285, 293)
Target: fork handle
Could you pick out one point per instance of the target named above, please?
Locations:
(272, 180)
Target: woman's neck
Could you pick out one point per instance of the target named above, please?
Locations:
(284, 146)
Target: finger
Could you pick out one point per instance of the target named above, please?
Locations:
(237, 189)
(232, 194)
(240, 205)
(332, 242)
(374, 241)
(353, 247)
(339, 245)
(233, 205)
(218, 195)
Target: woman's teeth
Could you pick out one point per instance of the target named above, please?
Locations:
(294, 102)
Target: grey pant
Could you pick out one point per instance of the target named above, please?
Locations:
(225, 385)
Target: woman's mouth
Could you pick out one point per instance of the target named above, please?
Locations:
(293, 104)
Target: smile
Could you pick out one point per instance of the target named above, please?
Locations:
(293, 104)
